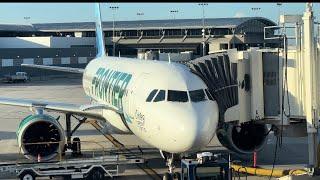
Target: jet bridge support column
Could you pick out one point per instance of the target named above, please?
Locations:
(311, 109)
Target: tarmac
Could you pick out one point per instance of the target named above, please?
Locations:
(293, 152)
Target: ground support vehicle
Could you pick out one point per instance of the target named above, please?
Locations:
(18, 77)
(96, 168)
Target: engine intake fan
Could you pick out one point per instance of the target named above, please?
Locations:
(244, 139)
(40, 136)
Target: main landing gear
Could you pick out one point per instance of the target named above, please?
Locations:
(170, 158)
(74, 145)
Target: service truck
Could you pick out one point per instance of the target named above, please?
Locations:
(17, 77)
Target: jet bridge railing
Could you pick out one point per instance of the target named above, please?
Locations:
(281, 29)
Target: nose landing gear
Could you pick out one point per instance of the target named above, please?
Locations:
(170, 175)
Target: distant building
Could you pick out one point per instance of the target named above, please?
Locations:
(58, 41)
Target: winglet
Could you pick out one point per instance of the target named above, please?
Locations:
(99, 33)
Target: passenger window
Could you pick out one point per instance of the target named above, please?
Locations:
(151, 95)
(177, 96)
(197, 95)
(160, 96)
(209, 95)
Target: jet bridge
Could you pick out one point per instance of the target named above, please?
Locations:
(246, 84)
(228, 76)
(267, 86)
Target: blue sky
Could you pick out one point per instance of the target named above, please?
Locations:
(14, 13)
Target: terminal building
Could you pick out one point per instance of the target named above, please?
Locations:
(73, 44)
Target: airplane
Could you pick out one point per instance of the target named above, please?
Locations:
(163, 103)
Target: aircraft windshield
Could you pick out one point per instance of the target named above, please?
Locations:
(197, 95)
(209, 95)
(151, 95)
(160, 96)
(177, 96)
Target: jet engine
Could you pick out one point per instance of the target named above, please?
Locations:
(40, 135)
(244, 138)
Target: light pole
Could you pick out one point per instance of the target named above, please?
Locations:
(174, 13)
(233, 37)
(113, 8)
(279, 9)
(139, 14)
(255, 9)
(203, 29)
(27, 19)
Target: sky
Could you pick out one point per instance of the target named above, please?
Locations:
(28, 13)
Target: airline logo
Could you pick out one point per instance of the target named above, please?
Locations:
(110, 86)
(127, 118)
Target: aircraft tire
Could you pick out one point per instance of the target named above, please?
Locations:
(177, 175)
(167, 176)
(76, 146)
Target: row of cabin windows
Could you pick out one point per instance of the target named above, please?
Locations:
(179, 96)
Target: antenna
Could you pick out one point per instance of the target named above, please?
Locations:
(119, 54)
(99, 33)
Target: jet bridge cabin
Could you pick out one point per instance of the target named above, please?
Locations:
(252, 85)
(254, 88)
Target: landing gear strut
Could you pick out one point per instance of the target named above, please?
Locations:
(170, 164)
(75, 145)
(170, 175)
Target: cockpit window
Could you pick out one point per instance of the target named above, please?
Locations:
(197, 95)
(151, 95)
(177, 96)
(209, 95)
(160, 96)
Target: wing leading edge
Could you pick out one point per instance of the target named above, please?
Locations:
(56, 68)
(90, 110)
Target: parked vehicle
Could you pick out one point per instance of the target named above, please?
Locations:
(18, 77)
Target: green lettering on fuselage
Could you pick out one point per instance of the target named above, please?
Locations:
(110, 85)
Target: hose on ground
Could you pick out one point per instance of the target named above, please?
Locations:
(267, 172)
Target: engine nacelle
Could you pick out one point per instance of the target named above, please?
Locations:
(34, 133)
(244, 139)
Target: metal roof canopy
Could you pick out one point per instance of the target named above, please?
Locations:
(16, 27)
(135, 25)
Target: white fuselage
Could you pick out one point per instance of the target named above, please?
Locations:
(164, 123)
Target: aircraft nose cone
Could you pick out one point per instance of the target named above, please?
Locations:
(197, 128)
(207, 122)
(185, 134)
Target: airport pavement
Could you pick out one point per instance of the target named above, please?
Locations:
(69, 89)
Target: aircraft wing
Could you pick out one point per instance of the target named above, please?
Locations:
(56, 68)
(90, 110)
